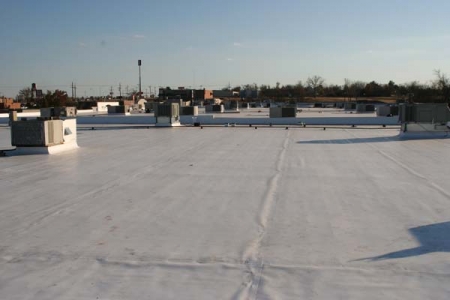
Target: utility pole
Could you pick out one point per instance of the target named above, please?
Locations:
(149, 90)
(139, 64)
(75, 90)
(120, 90)
(72, 90)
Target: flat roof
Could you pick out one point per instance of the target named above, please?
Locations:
(228, 213)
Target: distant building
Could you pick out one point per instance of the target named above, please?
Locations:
(185, 94)
(246, 94)
(8, 103)
(86, 104)
(203, 94)
(180, 93)
(225, 94)
(127, 102)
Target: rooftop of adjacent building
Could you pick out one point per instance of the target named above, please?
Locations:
(228, 212)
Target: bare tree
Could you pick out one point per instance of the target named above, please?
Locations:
(357, 87)
(442, 83)
(412, 90)
(315, 82)
(24, 95)
(348, 89)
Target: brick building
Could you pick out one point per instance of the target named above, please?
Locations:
(185, 94)
(8, 103)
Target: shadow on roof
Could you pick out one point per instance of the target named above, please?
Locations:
(380, 139)
(117, 127)
(352, 140)
(432, 238)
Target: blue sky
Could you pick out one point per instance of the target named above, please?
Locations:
(210, 43)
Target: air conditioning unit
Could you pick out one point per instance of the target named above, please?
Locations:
(67, 112)
(283, 112)
(189, 110)
(57, 112)
(424, 113)
(118, 109)
(167, 110)
(167, 114)
(37, 133)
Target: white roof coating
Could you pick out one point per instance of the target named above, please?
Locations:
(228, 213)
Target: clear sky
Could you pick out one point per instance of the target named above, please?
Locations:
(210, 43)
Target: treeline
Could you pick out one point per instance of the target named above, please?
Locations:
(437, 90)
(50, 99)
(352, 90)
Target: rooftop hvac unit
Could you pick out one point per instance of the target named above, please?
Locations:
(37, 133)
(383, 111)
(288, 112)
(67, 112)
(283, 112)
(424, 113)
(167, 110)
(370, 107)
(215, 108)
(218, 108)
(189, 110)
(151, 106)
(349, 106)
(167, 114)
(118, 109)
(394, 110)
(405, 113)
(360, 108)
(64, 112)
(234, 105)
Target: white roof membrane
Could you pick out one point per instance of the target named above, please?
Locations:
(228, 213)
